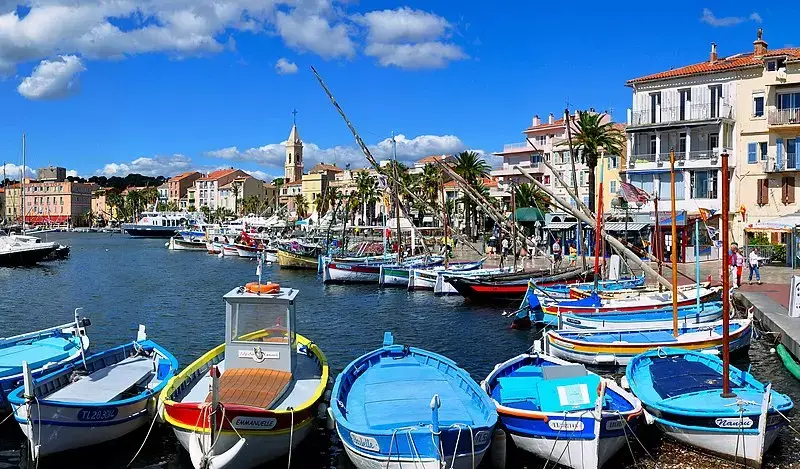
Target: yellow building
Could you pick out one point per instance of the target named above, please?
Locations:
(316, 182)
(611, 174)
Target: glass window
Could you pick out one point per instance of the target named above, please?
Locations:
(758, 106)
(612, 187)
(664, 190)
(704, 184)
(763, 150)
(791, 153)
(642, 181)
(771, 66)
(751, 153)
(653, 146)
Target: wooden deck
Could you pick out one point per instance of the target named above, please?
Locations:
(252, 387)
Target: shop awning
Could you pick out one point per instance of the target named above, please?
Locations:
(620, 226)
(560, 225)
(528, 214)
(40, 219)
(785, 223)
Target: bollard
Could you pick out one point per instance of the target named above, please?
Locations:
(499, 449)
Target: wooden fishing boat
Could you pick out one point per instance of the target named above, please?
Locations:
(266, 385)
(628, 293)
(44, 351)
(229, 250)
(442, 287)
(106, 396)
(682, 392)
(179, 243)
(648, 319)
(343, 271)
(401, 407)
(400, 275)
(618, 347)
(294, 260)
(561, 412)
(510, 287)
(425, 279)
(213, 247)
(788, 360)
(562, 291)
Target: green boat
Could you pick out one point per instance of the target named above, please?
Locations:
(788, 360)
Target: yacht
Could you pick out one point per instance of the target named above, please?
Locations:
(16, 252)
(162, 224)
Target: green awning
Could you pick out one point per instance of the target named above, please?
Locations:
(529, 214)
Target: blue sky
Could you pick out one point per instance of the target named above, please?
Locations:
(163, 86)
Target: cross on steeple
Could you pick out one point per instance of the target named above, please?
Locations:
(294, 117)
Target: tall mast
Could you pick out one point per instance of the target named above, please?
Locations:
(514, 221)
(22, 183)
(674, 245)
(444, 223)
(726, 280)
(657, 245)
(397, 201)
(572, 156)
(598, 239)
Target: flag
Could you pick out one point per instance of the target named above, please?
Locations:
(633, 194)
(706, 213)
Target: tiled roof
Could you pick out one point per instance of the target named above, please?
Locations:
(182, 176)
(544, 126)
(214, 175)
(431, 159)
(734, 62)
(325, 167)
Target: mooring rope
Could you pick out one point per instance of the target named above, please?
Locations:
(152, 424)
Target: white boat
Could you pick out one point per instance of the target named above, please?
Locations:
(162, 224)
(14, 252)
(103, 397)
(178, 243)
(229, 250)
(442, 287)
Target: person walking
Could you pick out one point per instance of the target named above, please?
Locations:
(753, 262)
(573, 255)
(557, 251)
(737, 264)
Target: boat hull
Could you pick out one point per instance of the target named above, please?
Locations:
(336, 272)
(290, 260)
(363, 460)
(576, 322)
(591, 454)
(177, 244)
(488, 290)
(393, 277)
(149, 231)
(29, 255)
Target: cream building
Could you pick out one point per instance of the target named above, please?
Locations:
(768, 105)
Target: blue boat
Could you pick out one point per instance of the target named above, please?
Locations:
(45, 351)
(561, 412)
(648, 319)
(681, 392)
(562, 290)
(399, 407)
(107, 396)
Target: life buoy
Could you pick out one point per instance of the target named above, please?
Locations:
(269, 288)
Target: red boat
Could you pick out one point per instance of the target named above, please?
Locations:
(512, 286)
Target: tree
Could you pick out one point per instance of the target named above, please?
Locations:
(235, 189)
(592, 138)
(301, 206)
(117, 203)
(527, 195)
(470, 166)
(366, 193)
(206, 211)
(149, 195)
(322, 203)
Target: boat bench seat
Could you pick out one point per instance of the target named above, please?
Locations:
(515, 389)
(105, 384)
(37, 354)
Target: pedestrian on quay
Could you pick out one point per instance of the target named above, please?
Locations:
(573, 255)
(505, 247)
(754, 260)
(736, 264)
(557, 251)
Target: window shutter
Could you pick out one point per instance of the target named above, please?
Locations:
(762, 192)
(779, 154)
(751, 152)
(790, 190)
(784, 189)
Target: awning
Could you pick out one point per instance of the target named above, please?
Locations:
(528, 214)
(620, 226)
(785, 223)
(560, 225)
(43, 219)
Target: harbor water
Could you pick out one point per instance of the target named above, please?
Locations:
(121, 282)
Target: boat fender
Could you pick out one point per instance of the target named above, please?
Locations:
(498, 451)
(537, 346)
(322, 411)
(648, 417)
(220, 461)
(330, 424)
(623, 383)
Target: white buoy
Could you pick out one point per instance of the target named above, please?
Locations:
(772, 350)
(498, 449)
(623, 383)
(330, 424)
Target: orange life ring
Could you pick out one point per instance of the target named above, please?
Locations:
(269, 288)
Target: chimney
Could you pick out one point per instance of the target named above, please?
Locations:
(536, 120)
(551, 118)
(713, 52)
(759, 45)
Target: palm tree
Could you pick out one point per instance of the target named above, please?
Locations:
(593, 136)
(235, 189)
(321, 204)
(206, 211)
(527, 195)
(367, 192)
(470, 166)
(116, 202)
(149, 195)
(301, 206)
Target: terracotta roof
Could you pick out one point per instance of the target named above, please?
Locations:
(431, 159)
(325, 167)
(214, 175)
(544, 126)
(734, 62)
(184, 175)
(296, 183)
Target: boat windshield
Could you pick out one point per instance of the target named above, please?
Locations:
(260, 323)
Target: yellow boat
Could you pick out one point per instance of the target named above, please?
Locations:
(291, 260)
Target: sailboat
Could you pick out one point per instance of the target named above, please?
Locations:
(702, 400)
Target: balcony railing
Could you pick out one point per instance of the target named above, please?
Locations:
(702, 154)
(672, 114)
(516, 146)
(789, 116)
(695, 155)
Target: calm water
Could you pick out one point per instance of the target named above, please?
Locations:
(122, 282)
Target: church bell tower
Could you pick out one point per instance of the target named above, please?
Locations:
(293, 167)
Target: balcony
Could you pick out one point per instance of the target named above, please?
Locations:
(699, 157)
(518, 147)
(672, 114)
(776, 165)
(790, 116)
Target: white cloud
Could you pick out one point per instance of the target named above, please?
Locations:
(13, 171)
(403, 25)
(408, 151)
(314, 33)
(284, 67)
(149, 166)
(258, 174)
(53, 79)
(409, 39)
(711, 19)
(415, 56)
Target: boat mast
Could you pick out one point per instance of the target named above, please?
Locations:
(397, 202)
(598, 239)
(674, 244)
(444, 222)
(697, 259)
(657, 247)
(22, 183)
(514, 223)
(568, 123)
(726, 280)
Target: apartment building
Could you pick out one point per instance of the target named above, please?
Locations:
(237, 190)
(207, 188)
(51, 201)
(178, 186)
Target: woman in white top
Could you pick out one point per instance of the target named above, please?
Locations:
(752, 263)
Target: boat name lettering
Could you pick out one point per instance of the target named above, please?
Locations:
(774, 420)
(616, 424)
(259, 355)
(100, 414)
(255, 423)
(572, 321)
(482, 437)
(734, 422)
(566, 425)
(365, 442)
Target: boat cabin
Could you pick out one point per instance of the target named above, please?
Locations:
(259, 330)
